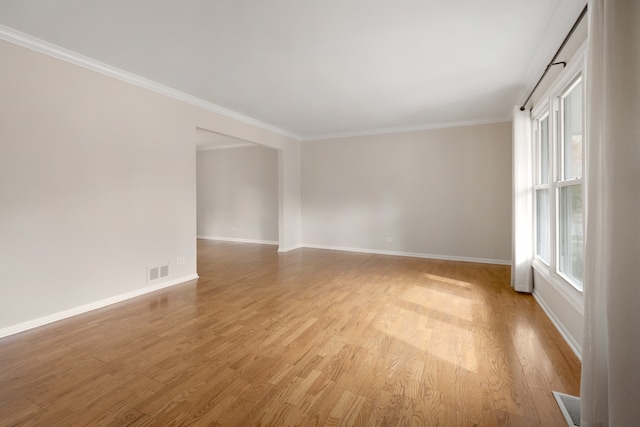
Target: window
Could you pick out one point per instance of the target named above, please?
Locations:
(570, 212)
(558, 184)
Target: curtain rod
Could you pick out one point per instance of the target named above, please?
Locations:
(553, 60)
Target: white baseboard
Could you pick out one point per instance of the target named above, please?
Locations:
(362, 250)
(41, 321)
(573, 344)
(409, 254)
(234, 239)
(289, 248)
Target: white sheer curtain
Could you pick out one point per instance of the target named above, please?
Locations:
(610, 390)
(522, 209)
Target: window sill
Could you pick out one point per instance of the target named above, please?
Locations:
(574, 297)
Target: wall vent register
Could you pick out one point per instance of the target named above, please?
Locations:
(155, 273)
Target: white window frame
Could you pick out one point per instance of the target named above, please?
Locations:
(537, 181)
(549, 104)
(559, 181)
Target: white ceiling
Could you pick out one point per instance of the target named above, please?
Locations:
(324, 67)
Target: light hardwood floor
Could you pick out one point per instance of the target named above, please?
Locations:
(309, 337)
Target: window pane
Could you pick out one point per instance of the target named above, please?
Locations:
(571, 232)
(542, 224)
(572, 138)
(544, 151)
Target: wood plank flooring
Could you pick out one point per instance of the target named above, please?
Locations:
(309, 337)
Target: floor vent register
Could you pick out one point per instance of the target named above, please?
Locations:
(570, 407)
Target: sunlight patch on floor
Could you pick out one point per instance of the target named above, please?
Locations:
(448, 341)
(440, 301)
(447, 280)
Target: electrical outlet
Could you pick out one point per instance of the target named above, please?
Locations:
(180, 260)
(389, 239)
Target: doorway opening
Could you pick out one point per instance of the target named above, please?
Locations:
(237, 190)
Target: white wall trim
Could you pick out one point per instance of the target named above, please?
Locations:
(409, 254)
(362, 250)
(41, 321)
(568, 293)
(289, 248)
(239, 240)
(405, 129)
(50, 49)
(573, 344)
(226, 146)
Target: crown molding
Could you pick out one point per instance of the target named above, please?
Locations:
(50, 49)
(404, 129)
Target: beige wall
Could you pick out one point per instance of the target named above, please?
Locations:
(443, 193)
(238, 193)
(98, 183)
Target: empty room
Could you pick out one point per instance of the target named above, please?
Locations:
(238, 213)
